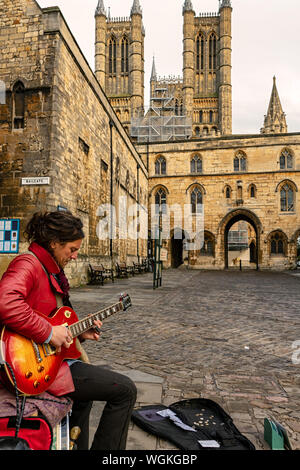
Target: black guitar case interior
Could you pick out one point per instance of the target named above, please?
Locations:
(202, 425)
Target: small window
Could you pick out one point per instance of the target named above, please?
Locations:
(161, 201)
(286, 160)
(124, 55)
(228, 192)
(287, 198)
(160, 166)
(112, 58)
(240, 162)
(196, 164)
(84, 146)
(18, 106)
(200, 53)
(278, 244)
(212, 52)
(252, 190)
(196, 201)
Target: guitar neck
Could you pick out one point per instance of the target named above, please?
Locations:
(87, 323)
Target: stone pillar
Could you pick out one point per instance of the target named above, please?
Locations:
(188, 62)
(136, 69)
(100, 48)
(225, 86)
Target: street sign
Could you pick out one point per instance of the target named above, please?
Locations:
(35, 181)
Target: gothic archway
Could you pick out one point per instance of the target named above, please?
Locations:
(229, 220)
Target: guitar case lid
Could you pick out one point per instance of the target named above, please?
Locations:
(194, 424)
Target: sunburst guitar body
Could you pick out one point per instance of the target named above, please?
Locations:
(33, 367)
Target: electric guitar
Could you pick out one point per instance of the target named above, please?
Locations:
(35, 366)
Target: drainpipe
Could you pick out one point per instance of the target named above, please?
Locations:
(138, 209)
(111, 125)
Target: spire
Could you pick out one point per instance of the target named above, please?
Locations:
(274, 121)
(136, 8)
(153, 73)
(100, 10)
(187, 6)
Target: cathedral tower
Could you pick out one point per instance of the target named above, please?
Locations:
(119, 60)
(207, 69)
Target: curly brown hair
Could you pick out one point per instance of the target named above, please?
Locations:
(60, 226)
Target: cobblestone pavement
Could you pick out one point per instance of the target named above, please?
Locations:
(224, 335)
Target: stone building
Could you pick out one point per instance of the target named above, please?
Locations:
(91, 143)
(61, 143)
(251, 178)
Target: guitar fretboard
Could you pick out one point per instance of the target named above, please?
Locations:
(86, 323)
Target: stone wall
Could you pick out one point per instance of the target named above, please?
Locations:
(70, 134)
(262, 155)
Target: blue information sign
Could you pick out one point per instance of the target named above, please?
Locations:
(9, 235)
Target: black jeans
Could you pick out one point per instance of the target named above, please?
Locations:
(96, 383)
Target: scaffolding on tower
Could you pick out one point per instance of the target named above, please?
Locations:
(164, 120)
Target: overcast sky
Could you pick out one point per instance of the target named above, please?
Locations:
(265, 43)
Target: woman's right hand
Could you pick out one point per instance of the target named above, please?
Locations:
(60, 337)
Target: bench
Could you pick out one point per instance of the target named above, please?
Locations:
(99, 273)
(147, 265)
(123, 270)
(137, 268)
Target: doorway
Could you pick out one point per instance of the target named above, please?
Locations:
(241, 240)
(177, 242)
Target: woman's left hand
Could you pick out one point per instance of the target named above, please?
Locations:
(92, 334)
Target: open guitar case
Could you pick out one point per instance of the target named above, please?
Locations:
(194, 424)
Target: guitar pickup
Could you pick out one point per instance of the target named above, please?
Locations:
(36, 351)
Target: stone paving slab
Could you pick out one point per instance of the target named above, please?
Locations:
(223, 335)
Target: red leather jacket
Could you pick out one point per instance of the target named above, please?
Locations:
(25, 287)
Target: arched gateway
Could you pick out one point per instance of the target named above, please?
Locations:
(228, 221)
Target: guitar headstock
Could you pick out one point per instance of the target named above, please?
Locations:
(126, 301)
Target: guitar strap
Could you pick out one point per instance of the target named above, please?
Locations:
(59, 303)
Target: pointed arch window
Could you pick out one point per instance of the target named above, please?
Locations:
(286, 160)
(160, 166)
(228, 192)
(212, 52)
(252, 190)
(200, 44)
(18, 97)
(240, 162)
(287, 197)
(196, 200)
(278, 244)
(124, 55)
(161, 201)
(112, 58)
(196, 164)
